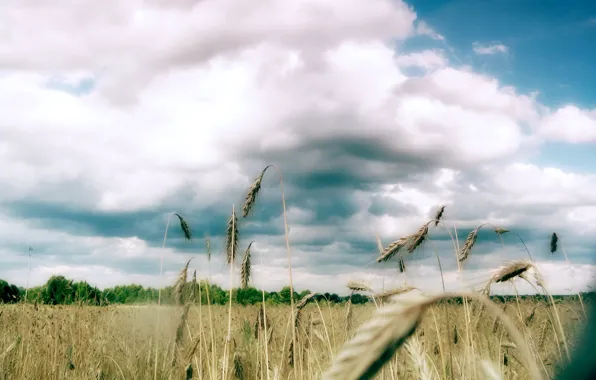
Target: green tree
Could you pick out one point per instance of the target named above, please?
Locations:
(58, 290)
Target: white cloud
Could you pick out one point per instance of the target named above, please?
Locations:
(427, 59)
(481, 49)
(189, 97)
(569, 124)
(423, 29)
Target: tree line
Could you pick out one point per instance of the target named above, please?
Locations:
(59, 290)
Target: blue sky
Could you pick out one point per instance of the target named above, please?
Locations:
(376, 112)
(551, 50)
(551, 43)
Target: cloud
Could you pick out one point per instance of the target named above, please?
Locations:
(481, 49)
(423, 29)
(145, 109)
(569, 124)
(426, 59)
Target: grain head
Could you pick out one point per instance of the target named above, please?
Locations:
(253, 192)
(232, 237)
(245, 267)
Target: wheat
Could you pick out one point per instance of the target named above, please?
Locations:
(253, 192)
(439, 215)
(185, 227)
(468, 244)
(554, 242)
(232, 238)
(245, 267)
(387, 294)
(359, 286)
(376, 341)
(181, 282)
(418, 238)
(393, 249)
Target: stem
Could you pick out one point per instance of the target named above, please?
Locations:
(266, 332)
(163, 246)
(229, 336)
(579, 294)
(283, 202)
(28, 275)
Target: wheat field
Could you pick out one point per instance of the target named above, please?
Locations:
(119, 342)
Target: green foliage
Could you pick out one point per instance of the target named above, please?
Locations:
(9, 293)
(60, 290)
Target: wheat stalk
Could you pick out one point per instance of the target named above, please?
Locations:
(418, 238)
(250, 200)
(245, 267)
(187, 235)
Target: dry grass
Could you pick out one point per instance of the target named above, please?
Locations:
(118, 342)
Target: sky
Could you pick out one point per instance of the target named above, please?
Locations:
(115, 114)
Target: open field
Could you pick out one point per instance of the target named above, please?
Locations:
(119, 342)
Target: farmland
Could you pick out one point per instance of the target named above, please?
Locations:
(115, 342)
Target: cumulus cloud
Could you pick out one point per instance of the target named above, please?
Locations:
(481, 49)
(569, 124)
(152, 107)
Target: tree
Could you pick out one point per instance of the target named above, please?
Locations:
(58, 290)
(9, 293)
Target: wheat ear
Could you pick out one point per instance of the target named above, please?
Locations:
(376, 341)
(180, 282)
(245, 267)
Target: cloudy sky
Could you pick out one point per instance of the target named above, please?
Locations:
(115, 113)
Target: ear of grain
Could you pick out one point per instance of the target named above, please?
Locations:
(181, 282)
(208, 248)
(439, 215)
(185, 227)
(393, 249)
(193, 285)
(512, 270)
(253, 192)
(468, 244)
(305, 300)
(401, 265)
(375, 343)
(554, 242)
(232, 238)
(388, 294)
(501, 231)
(379, 244)
(418, 238)
(358, 286)
(181, 324)
(245, 267)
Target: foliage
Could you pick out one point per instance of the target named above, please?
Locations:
(59, 290)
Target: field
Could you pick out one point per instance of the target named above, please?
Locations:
(119, 342)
